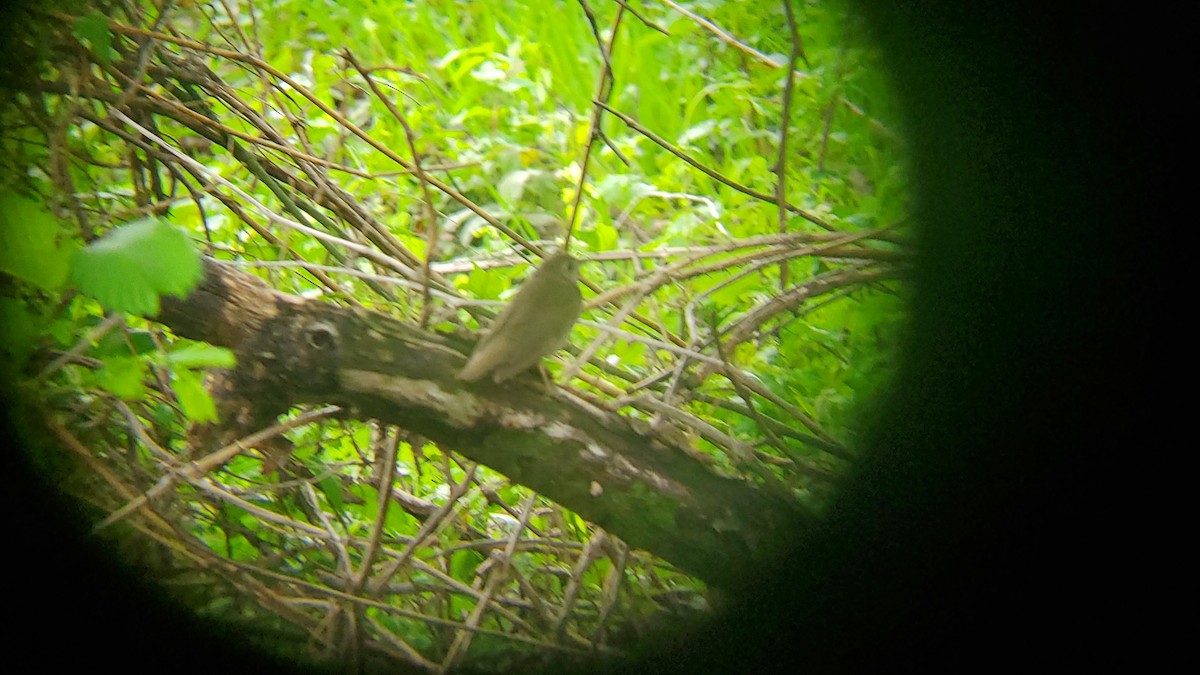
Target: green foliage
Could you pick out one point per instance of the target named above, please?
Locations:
(122, 375)
(498, 98)
(332, 488)
(194, 399)
(200, 355)
(93, 29)
(132, 266)
(18, 331)
(29, 243)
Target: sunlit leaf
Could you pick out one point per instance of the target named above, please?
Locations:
(331, 487)
(195, 400)
(201, 355)
(129, 269)
(29, 246)
(463, 563)
(123, 376)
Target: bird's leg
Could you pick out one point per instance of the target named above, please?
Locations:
(546, 379)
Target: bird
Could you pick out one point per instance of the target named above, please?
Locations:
(535, 323)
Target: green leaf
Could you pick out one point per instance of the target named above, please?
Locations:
(488, 284)
(124, 343)
(236, 514)
(606, 236)
(130, 268)
(738, 291)
(197, 405)
(332, 487)
(28, 243)
(202, 355)
(401, 523)
(93, 28)
(123, 376)
(18, 330)
(463, 563)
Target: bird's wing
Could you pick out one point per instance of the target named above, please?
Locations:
(511, 313)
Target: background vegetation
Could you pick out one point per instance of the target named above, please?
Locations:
(741, 283)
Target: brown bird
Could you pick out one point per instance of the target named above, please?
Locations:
(535, 323)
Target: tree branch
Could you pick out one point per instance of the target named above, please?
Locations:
(603, 466)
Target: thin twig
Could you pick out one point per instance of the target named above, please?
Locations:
(784, 126)
(85, 343)
(498, 576)
(431, 225)
(428, 528)
(194, 470)
(726, 37)
(386, 479)
(715, 175)
(603, 90)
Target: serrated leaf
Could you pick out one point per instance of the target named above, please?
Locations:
(132, 266)
(29, 248)
(195, 400)
(132, 296)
